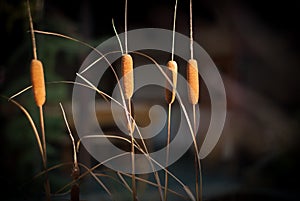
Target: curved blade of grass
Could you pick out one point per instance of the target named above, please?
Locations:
(37, 137)
(71, 136)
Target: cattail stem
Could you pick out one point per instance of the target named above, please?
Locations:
(130, 128)
(38, 85)
(31, 31)
(47, 182)
(170, 98)
(197, 164)
(173, 36)
(125, 34)
(43, 131)
(168, 149)
(191, 31)
(128, 81)
(193, 89)
(133, 171)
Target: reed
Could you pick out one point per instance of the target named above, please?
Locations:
(127, 72)
(39, 91)
(193, 94)
(170, 96)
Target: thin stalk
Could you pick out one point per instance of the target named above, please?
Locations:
(168, 149)
(42, 124)
(116, 33)
(31, 31)
(198, 173)
(173, 37)
(126, 48)
(132, 153)
(75, 190)
(129, 119)
(191, 30)
(170, 105)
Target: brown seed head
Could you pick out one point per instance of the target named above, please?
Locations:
(172, 75)
(38, 82)
(193, 81)
(127, 73)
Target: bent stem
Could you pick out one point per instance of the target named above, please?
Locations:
(39, 142)
(75, 191)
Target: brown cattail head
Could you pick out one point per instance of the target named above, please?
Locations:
(38, 82)
(172, 75)
(127, 72)
(193, 81)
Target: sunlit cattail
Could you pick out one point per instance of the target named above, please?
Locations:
(172, 75)
(38, 82)
(193, 81)
(127, 72)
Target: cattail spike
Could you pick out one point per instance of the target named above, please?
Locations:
(127, 72)
(193, 81)
(172, 75)
(38, 82)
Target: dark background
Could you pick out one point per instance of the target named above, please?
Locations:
(253, 43)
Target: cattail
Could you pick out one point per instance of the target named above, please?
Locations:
(38, 82)
(193, 81)
(127, 72)
(172, 75)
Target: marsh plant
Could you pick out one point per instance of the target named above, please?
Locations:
(126, 164)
